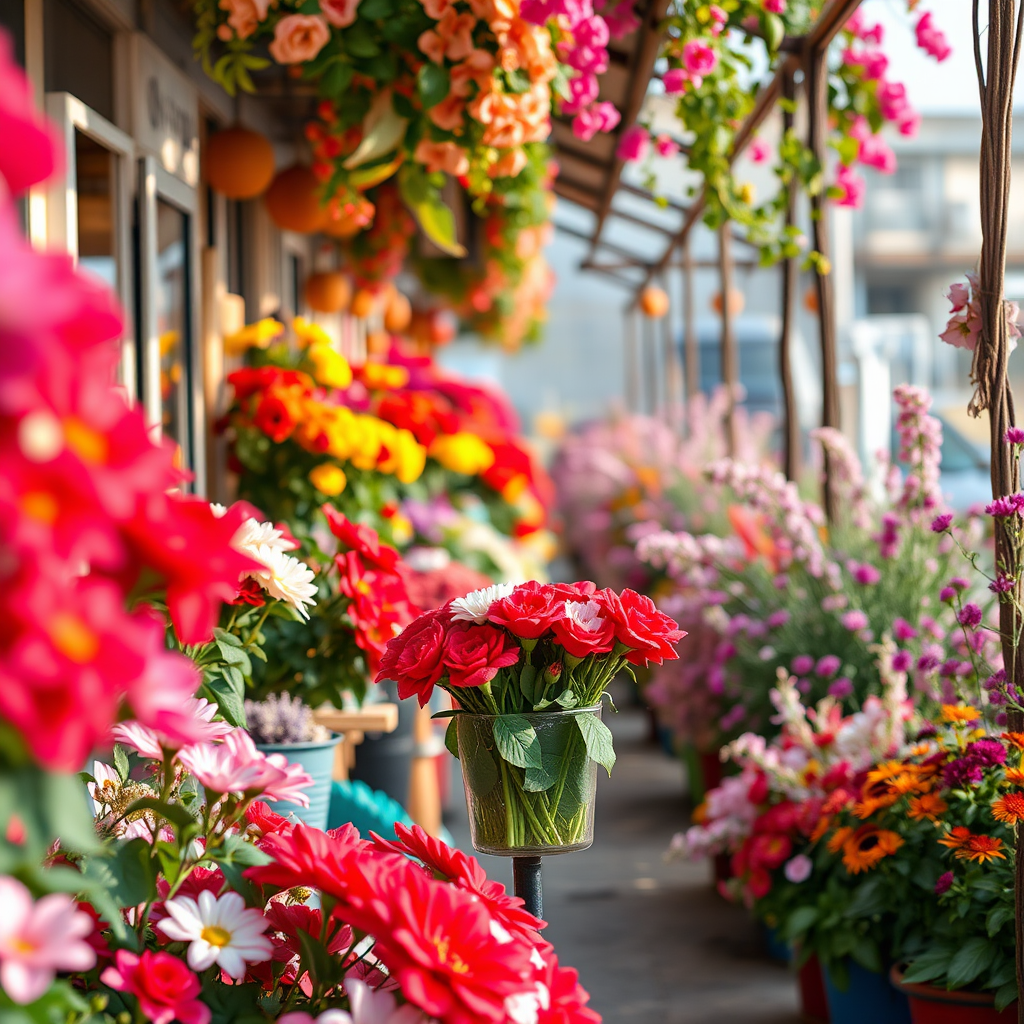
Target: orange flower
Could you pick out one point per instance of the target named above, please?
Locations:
(452, 37)
(437, 8)
(508, 165)
(887, 770)
(1015, 739)
(873, 797)
(447, 114)
(959, 714)
(824, 824)
(982, 849)
(928, 805)
(909, 782)
(867, 846)
(478, 67)
(299, 38)
(957, 838)
(1015, 776)
(441, 156)
(1009, 808)
(838, 840)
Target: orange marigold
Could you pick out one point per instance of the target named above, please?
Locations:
(956, 838)
(910, 782)
(959, 714)
(1009, 808)
(1015, 776)
(982, 849)
(1015, 739)
(887, 770)
(867, 846)
(838, 839)
(927, 805)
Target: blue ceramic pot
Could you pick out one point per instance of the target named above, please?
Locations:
(317, 760)
(868, 998)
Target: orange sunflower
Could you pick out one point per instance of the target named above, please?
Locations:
(959, 714)
(1009, 808)
(874, 796)
(838, 840)
(824, 824)
(927, 805)
(1015, 739)
(867, 846)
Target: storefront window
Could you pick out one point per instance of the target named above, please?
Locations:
(79, 56)
(172, 321)
(95, 185)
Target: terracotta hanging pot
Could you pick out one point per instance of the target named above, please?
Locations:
(364, 303)
(654, 302)
(736, 302)
(378, 343)
(398, 313)
(328, 292)
(293, 201)
(239, 163)
(932, 1005)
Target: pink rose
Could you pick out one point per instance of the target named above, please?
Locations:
(299, 38)
(474, 654)
(665, 146)
(165, 988)
(244, 16)
(699, 58)
(675, 80)
(634, 144)
(339, 13)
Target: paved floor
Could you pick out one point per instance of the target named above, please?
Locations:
(653, 942)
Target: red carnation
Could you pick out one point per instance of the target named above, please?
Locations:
(585, 628)
(165, 988)
(648, 632)
(363, 539)
(273, 418)
(473, 654)
(415, 658)
(529, 611)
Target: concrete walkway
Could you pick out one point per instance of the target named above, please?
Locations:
(653, 942)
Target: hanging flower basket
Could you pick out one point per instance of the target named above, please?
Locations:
(524, 806)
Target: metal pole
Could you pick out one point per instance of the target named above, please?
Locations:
(791, 440)
(673, 371)
(691, 352)
(528, 884)
(730, 374)
(649, 341)
(629, 353)
(817, 97)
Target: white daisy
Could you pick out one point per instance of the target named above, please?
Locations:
(219, 930)
(474, 607)
(252, 535)
(284, 577)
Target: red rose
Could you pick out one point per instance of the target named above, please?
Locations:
(529, 611)
(648, 632)
(165, 988)
(585, 628)
(415, 658)
(273, 418)
(363, 539)
(473, 654)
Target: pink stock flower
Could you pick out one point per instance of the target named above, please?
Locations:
(30, 152)
(874, 152)
(592, 32)
(699, 58)
(666, 146)
(634, 143)
(583, 90)
(892, 100)
(165, 988)
(38, 939)
(931, 38)
(854, 620)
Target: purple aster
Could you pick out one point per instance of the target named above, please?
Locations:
(944, 883)
(841, 688)
(901, 661)
(970, 616)
(827, 666)
(927, 663)
(1015, 435)
(802, 664)
(940, 524)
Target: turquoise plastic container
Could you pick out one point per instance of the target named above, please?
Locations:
(317, 759)
(869, 999)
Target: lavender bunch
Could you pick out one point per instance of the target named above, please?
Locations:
(282, 719)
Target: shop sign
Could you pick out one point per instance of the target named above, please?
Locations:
(165, 111)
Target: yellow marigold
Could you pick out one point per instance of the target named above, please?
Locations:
(257, 335)
(382, 377)
(328, 479)
(308, 333)
(330, 368)
(927, 805)
(959, 714)
(462, 453)
(411, 457)
(365, 441)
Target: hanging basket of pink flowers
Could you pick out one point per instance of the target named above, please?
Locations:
(528, 667)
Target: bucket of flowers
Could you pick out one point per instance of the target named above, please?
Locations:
(528, 667)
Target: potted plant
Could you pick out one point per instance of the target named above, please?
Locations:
(528, 667)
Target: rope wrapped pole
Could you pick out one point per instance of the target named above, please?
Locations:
(730, 364)
(816, 69)
(989, 370)
(791, 441)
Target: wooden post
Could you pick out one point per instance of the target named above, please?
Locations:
(730, 367)
(791, 439)
(691, 351)
(816, 61)
(989, 369)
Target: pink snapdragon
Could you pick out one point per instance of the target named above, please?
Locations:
(931, 38)
(38, 939)
(635, 144)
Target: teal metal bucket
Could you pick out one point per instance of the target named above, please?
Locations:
(317, 760)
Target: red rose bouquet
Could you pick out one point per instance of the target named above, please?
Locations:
(528, 667)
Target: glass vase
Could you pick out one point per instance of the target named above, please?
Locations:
(536, 811)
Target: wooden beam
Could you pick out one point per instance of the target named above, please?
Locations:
(791, 439)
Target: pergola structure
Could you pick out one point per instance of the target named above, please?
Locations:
(591, 177)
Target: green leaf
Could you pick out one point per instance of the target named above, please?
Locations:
(358, 40)
(229, 698)
(929, 965)
(375, 10)
(121, 762)
(598, 738)
(134, 873)
(567, 699)
(1006, 995)
(336, 79)
(451, 737)
(774, 31)
(478, 763)
(431, 82)
(424, 202)
(969, 961)
(517, 741)
(368, 177)
(383, 130)
(528, 681)
(554, 758)
(172, 812)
